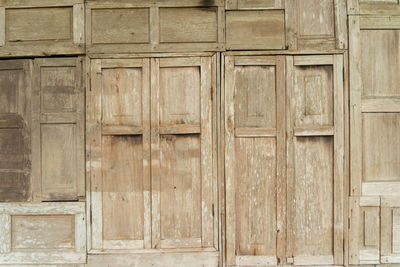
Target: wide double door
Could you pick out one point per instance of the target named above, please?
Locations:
(152, 171)
(283, 121)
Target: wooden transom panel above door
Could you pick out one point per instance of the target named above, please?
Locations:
(152, 162)
(284, 171)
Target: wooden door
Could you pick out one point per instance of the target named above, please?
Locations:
(315, 163)
(184, 211)
(374, 135)
(255, 154)
(58, 129)
(15, 127)
(170, 201)
(118, 126)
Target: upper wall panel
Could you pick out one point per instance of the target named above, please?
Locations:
(41, 27)
(154, 26)
(373, 7)
(316, 24)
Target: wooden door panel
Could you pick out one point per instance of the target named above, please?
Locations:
(315, 159)
(254, 159)
(119, 128)
(183, 172)
(58, 129)
(375, 101)
(373, 7)
(15, 130)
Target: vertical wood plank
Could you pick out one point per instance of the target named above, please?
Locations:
(338, 159)
(80, 233)
(221, 24)
(80, 75)
(88, 134)
(231, 4)
(79, 23)
(289, 156)
(291, 26)
(355, 105)
(206, 153)
(353, 7)
(281, 158)
(2, 26)
(88, 26)
(354, 231)
(154, 25)
(36, 157)
(155, 152)
(340, 24)
(146, 151)
(215, 83)
(5, 233)
(230, 161)
(95, 155)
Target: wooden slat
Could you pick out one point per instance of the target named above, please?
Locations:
(59, 117)
(255, 132)
(181, 243)
(2, 26)
(390, 201)
(38, 3)
(121, 130)
(5, 233)
(354, 231)
(180, 129)
(370, 201)
(79, 23)
(11, 121)
(313, 60)
(126, 63)
(380, 188)
(256, 260)
(380, 22)
(314, 131)
(180, 62)
(380, 105)
(255, 61)
(313, 260)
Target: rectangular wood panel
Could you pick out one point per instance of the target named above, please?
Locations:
(119, 132)
(15, 130)
(316, 24)
(254, 153)
(41, 28)
(254, 4)
(373, 7)
(158, 26)
(183, 171)
(255, 29)
(315, 159)
(51, 233)
(58, 129)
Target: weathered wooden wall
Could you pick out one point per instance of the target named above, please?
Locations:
(199, 133)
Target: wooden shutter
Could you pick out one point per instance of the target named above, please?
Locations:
(255, 154)
(118, 126)
(58, 129)
(315, 167)
(255, 4)
(41, 28)
(375, 106)
(316, 24)
(374, 235)
(182, 153)
(15, 123)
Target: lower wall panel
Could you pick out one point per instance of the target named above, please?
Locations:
(195, 259)
(46, 233)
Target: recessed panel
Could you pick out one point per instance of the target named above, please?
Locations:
(313, 92)
(181, 205)
(120, 25)
(180, 95)
(122, 96)
(381, 147)
(255, 96)
(43, 232)
(59, 162)
(316, 18)
(39, 24)
(380, 68)
(255, 29)
(10, 82)
(122, 188)
(188, 25)
(313, 212)
(255, 199)
(58, 85)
